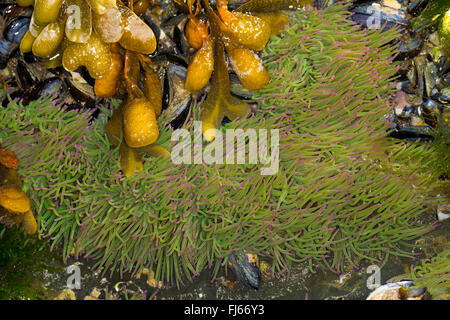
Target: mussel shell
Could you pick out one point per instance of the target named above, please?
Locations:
(165, 44)
(431, 77)
(86, 76)
(444, 95)
(412, 76)
(322, 4)
(14, 11)
(408, 49)
(430, 104)
(29, 57)
(6, 47)
(406, 86)
(246, 272)
(446, 79)
(16, 29)
(237, 89)
(416, 6)
(51, 87)
(367, 14)
(156, 30)
(363, 20)
(441, 65)
(174, 28)
(178, 99)
(26, 78)
(181, 40)
(180, 119)
(81, 92)
(412, 133)
(406, 112)
(420, 63)
(177, 69)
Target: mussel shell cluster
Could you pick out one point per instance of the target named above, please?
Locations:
(28, 77)
(422, 101)
(375, 15)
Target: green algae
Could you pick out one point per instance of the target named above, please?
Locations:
(22, 257)
(433, 274)
(343, 193)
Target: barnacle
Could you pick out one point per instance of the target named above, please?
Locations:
(241, 34)
(15, 208)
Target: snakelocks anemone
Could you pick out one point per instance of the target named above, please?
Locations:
(343, 192)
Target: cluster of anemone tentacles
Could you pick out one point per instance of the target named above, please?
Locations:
(433, 275)
(113, 43)
(343, 193)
